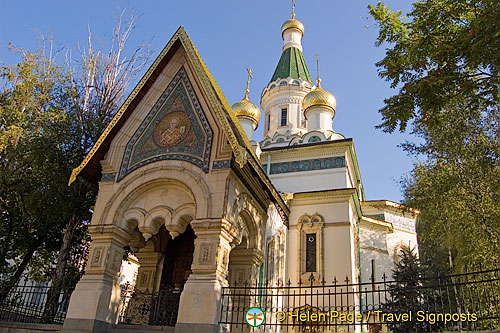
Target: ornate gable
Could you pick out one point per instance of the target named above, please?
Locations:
(176, 128)
(242, 152)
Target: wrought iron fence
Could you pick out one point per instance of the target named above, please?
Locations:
(26, 302)
(149, 308)
(468, 301)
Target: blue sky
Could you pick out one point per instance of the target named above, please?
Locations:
(232, 35)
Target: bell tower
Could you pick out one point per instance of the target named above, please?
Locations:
(281, 99)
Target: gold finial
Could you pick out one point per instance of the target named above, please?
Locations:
(318, 81)
(249, 70)
(293, 9)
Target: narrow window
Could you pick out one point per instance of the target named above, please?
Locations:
(284, 114)
(268, 121)
(373, 271)
(302, 118)
(310, 252)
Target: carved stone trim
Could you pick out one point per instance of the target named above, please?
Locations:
(310, 225)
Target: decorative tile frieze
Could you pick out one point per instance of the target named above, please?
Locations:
(108, 177)
(307, 165)
(216, 165)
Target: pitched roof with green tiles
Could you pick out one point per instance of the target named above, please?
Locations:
(292, 64)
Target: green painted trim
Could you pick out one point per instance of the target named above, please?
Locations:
(292, 64)
(356, 171)
(356, 204)
(355, 163)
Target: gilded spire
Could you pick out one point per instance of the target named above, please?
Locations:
(318, 80)
(319, 97)
(293, 23)
(246, 109)
(247, 91)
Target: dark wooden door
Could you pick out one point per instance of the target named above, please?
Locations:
(178, 260)
(176, 270)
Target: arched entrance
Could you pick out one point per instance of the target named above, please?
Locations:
(176, 270)
(165, 265)
(245, 260)
(157, 217)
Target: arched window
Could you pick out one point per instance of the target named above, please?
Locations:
(309, 247)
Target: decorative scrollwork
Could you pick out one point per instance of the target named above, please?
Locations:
(147, 308)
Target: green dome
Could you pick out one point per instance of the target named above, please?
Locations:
(292, 64)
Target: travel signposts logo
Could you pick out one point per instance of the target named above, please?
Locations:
(255, 317)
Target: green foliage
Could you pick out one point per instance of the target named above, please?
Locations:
(458, 186)
(443, 58)
(443, 53)
(406, 294)
(31, 122)
(41, 143)
(50, 117)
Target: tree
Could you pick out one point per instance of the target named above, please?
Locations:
(99, 86)
(51, 115)
(444, 60)
(30, 123)
(406, 293)
(458, 190)
(444, 53)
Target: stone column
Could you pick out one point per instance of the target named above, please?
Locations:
(245, 264)
(149, 269)
(96, 300)
(200, 302)
(148, 280)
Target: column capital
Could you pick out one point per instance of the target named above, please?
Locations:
(206, 227)
(105, 232)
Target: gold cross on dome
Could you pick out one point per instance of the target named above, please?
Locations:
(293, 9)
(249, 70)
(318, 81)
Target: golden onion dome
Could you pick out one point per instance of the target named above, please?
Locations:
(292, 23)
(319, 97)
(247, 109)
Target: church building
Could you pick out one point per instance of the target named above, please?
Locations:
(185, 186)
